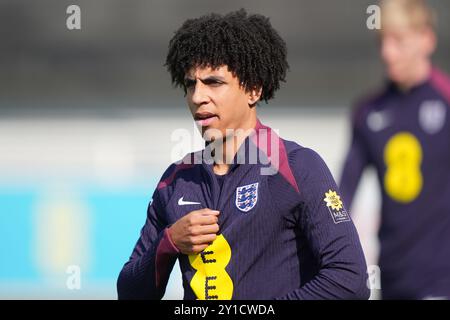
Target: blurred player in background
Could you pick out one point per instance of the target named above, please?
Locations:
(404, 132)
(271, 227)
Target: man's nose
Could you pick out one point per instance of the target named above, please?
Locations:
(199, 95)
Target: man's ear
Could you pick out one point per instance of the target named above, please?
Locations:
(254, 95)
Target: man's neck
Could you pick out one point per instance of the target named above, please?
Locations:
(221, 169)
(422, 73)
(230, 146)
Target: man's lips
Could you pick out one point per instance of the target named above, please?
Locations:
(204, 119)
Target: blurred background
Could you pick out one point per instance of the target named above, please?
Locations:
(87, 116)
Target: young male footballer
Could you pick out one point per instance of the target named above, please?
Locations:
(404, 132)
(252, 216)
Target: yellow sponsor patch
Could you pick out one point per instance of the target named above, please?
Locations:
(211, 281)
(336, 207)
(403, 180)
(333, 200)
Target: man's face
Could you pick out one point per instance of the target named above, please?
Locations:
(405, 49)
(218, 101)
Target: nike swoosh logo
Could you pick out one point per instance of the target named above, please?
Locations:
(379, 120)
(181, 202)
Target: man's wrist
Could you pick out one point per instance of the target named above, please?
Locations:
(168, 241)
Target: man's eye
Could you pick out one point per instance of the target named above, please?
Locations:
(213, 83)
(189, 83)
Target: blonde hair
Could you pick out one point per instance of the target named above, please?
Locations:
(407, 13)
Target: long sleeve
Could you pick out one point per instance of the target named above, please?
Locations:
(146, 274)
(356, 160)
(329, 232)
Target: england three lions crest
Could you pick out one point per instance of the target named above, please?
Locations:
(246, 197)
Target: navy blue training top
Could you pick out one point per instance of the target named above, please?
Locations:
(284, 231)
(406, 137)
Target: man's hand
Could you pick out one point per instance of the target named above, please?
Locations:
(195, 231)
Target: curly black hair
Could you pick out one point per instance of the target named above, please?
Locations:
(247, 44)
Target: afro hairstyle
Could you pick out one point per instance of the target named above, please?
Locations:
(246, 43)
